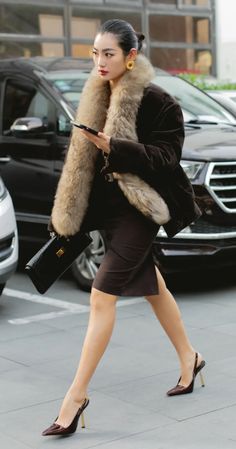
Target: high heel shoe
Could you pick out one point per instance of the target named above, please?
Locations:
(56, 429)
(180, 389)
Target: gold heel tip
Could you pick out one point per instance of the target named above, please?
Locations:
(82, 421)
(202, 379)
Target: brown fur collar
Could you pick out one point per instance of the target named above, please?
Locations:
(115, 114)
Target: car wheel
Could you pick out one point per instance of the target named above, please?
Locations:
(1, 288)
(85, 267)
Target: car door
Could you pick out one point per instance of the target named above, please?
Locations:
(26, 161)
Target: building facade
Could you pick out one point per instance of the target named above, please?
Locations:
(180, 34)
(226, 39)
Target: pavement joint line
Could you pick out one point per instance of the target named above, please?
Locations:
(129, 435)
(13, 361)
(205, 413)
(14, 439)
(71, 308)
(26, 407)
(49, 401)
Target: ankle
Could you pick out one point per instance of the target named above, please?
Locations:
(77, 395)
(188, 357)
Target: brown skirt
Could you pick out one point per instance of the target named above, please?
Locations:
(128, 267)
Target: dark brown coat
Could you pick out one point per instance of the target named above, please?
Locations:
(155, 158)
(147, 132)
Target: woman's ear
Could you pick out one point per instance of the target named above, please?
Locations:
(132, 54)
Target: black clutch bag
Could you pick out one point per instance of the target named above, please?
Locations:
(53, 259)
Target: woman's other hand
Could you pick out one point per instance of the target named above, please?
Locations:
(102, 141)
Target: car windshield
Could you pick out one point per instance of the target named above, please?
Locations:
(70, 83)
(195, 104)
(229, 94)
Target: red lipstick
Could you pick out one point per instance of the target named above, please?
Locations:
(103, 72)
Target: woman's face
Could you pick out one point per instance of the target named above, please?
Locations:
(108, 57)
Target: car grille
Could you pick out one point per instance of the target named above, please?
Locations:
(221, 183)
(204, 227)
(204, 230)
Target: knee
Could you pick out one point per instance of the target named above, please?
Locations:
(100, 301)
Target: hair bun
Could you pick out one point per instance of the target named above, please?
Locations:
(140, 37)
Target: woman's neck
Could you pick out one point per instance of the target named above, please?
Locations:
(113, 83)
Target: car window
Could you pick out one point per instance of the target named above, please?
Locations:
(63, 124)
(23, 100)
(225, 101)
(194, 102)
(70, 85)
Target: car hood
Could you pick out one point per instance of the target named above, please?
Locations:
(210, 144)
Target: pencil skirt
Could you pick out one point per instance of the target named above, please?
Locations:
(128, 267)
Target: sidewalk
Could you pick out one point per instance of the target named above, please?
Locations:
(128, 406)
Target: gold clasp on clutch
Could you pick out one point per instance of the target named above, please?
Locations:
(60, 252)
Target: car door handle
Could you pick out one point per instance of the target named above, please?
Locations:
(5, 159)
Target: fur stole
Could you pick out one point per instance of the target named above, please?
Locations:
(115, 113)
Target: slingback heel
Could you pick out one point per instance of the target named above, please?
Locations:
(56, 429)
(82, 421)
(180, 389)
(202, 379)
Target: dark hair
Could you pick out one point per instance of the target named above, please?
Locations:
(126, 35)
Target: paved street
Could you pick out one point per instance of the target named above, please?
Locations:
(40, 342)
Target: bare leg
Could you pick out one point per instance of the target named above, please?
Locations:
(168, 313)
(101, 323)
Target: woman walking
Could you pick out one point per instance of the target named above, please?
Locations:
(126, 180)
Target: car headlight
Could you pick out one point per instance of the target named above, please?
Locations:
(191, 168)
(2, 189)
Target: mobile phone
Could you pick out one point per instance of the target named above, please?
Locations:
(86, 128)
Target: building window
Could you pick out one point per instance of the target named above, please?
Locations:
(187, 29)
(125, 2)
(182, 60)
(83, 28)
(85, 24)
(15, 49)
(196, 3)
(23, 20)
(163, 2)
(26, 19)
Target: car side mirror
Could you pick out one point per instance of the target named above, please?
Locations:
(28, 125)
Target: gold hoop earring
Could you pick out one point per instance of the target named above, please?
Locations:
(130, 65)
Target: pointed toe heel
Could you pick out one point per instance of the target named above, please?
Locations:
(180, 389)
(56, 429)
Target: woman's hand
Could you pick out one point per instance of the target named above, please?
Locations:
(102, 141)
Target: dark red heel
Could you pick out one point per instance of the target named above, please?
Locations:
(56, 429)
(180, 389)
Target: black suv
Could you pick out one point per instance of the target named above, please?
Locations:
(38, 101)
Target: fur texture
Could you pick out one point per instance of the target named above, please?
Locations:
(115, 114)
(143, 197)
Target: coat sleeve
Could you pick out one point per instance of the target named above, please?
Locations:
(161, 146)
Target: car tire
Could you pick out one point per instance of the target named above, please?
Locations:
(86, 265)
(1, 288)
